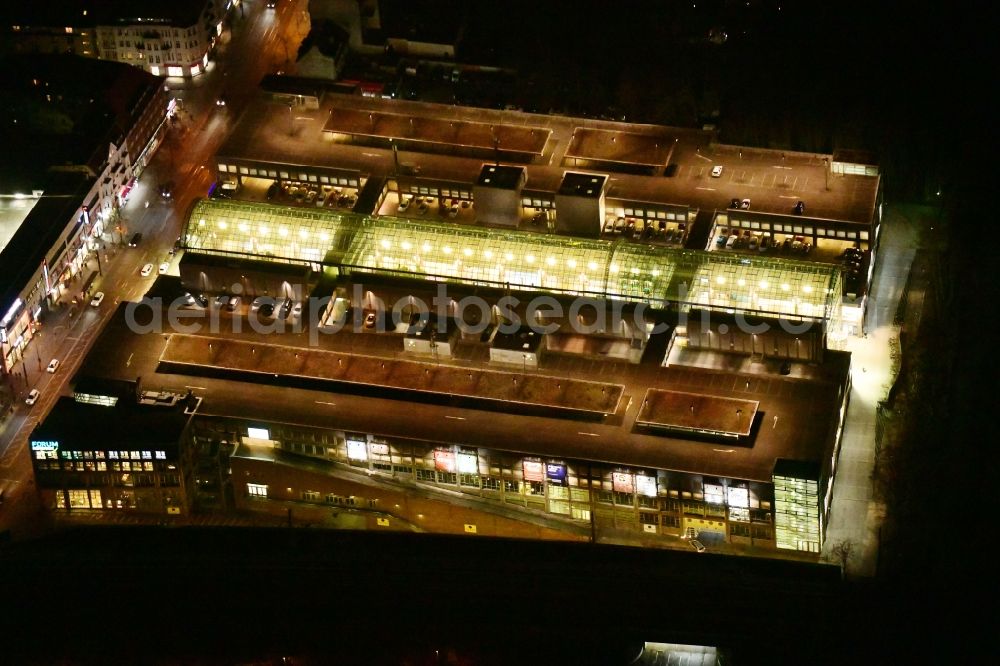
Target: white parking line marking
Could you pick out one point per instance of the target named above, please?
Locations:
(322, 402)
(787, 196)
(589, 434)
(455, 418)
(201, 388)
(707, 159)
(709, 189)
(724, 450)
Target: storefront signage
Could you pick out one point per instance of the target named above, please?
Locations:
(258, 433)
(623, 482)
(645, 485)
(357, 449)
(556, 473)
(444, 461)
(381, 449)
(533, 470)
(468, 463)
(44, 445)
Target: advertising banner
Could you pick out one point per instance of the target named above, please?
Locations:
(623, 482)
(468, 463)
(357, 449)
(645, 485)
(444, 461)
(533, 470)
(556, 473)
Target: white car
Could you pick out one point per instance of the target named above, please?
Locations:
(53, 366)
(716, 171)
(97, 299)
(404, 204)
(164, 267)
(147, 270)
(745, 204)
(32, 397)
(697, 545)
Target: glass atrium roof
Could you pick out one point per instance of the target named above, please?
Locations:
(523, 261)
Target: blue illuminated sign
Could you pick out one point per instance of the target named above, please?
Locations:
(556, 473)
(44, 445)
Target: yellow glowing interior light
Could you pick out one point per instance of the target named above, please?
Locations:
(509, 256)
(571, 263)
(426, 247)
(655, 273)
(201, 222)
(720, 280)
(488, 254)
(808, 289)
(385, 243)
(303, 233)
(243, 227)
(446, 249)
(592, 265)
(222, 224)
(282, 231)
(550, 261)
(741, 282)
(406, 245)
(784, 287)
(764, 284)
(264, 231)
(467, 252)
(614, 268)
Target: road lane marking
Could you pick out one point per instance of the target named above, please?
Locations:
(322, 402)
(724, 450)
(709, 189)
(455, 418)
(588, 434)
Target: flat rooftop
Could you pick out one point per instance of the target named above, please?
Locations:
(590, 185)
(698, 413)
(806, 409)
(605, 145)
(480, 385)
(13, 211)
(771, 178)
(500, 176)
(439, 131)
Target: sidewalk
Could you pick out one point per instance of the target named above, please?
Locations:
(856, 515)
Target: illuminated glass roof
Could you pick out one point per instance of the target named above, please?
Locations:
(522, 261)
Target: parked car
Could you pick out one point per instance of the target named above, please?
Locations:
(272, 191)
(221, 301)
(286, 307)
(745, 204)
(234, 302)
(732, 241)
(453, 210)
(202, 300)
(53, 366)
(97, 299)
(800, 207)
(32, 397)
(734, 203)
(716, 171)
(698, 545)
(370, 320)
(267, 309)
(147, 270)
(257, 302)
(538, 217)
(164, 267)
(188, 299)
(404, 203)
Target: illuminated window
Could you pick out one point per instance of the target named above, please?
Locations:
(161, 455)
(257, 490)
